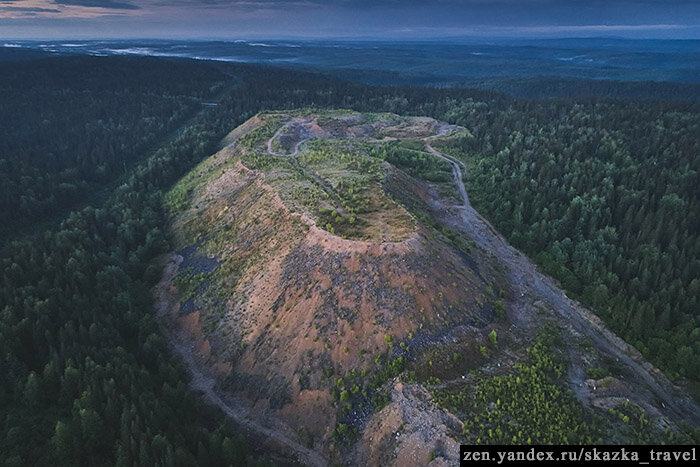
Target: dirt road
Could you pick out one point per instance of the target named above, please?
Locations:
(301, 124)
(532, 286)
(304, 136)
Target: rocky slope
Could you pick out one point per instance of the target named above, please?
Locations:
(325, 276)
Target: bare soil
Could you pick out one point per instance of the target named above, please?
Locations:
(303, 299)
(184, 341)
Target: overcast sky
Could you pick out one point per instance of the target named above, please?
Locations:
(400, 19)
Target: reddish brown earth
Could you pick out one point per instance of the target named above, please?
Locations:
(288, 300)
(299, 299)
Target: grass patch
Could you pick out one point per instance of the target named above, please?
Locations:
(187, 283)
(261, 134)
(528, 406)
(417, 163)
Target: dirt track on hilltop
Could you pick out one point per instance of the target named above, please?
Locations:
(282, 129)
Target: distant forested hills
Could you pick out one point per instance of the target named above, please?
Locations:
(13, 54)
(530, 68)
(540, 87)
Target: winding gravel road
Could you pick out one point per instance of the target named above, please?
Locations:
(284, 128)
(530, 286)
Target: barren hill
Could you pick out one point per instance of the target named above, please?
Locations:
(330, 295)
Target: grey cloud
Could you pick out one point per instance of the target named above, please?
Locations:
(430, 3)
(111, 4)
(29, 9)
(404, 4)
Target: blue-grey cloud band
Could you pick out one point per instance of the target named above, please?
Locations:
(355, 18)
(29, 9)
(114, 5)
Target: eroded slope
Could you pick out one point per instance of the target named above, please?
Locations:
(335, 292)
(311, 285)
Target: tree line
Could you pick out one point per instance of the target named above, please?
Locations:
(605, 197)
